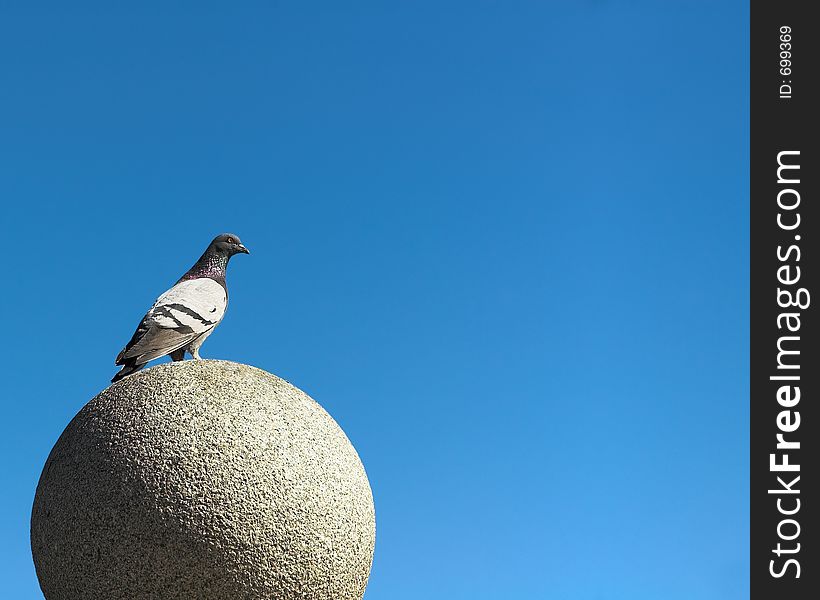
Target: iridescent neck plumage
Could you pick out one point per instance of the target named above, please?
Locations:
(213, 265)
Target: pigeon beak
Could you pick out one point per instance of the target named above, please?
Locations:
(243, 250)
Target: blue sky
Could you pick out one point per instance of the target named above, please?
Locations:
(505, 244)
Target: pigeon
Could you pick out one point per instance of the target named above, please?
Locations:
(181, 319)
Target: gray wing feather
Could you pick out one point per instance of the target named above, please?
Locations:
(157, 342)
(185, 312)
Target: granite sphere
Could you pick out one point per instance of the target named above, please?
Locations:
(203, 480)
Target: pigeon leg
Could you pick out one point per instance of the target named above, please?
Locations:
(193, 347)
(178, 355)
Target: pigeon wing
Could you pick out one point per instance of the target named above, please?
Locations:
(188, 310)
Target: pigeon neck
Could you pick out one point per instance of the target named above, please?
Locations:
(212, 265)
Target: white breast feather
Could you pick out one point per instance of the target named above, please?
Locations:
(204, 297)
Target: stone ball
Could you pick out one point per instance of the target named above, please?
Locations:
(203, 480)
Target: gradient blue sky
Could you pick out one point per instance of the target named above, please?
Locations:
(505, 244)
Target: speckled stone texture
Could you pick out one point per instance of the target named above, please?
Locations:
(203, 480)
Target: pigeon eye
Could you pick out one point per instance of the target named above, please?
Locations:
(230, 240)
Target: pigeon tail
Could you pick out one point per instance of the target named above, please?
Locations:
(127, 370)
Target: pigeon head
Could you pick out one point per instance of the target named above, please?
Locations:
(227, 244)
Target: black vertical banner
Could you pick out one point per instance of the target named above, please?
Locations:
(785, 373)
